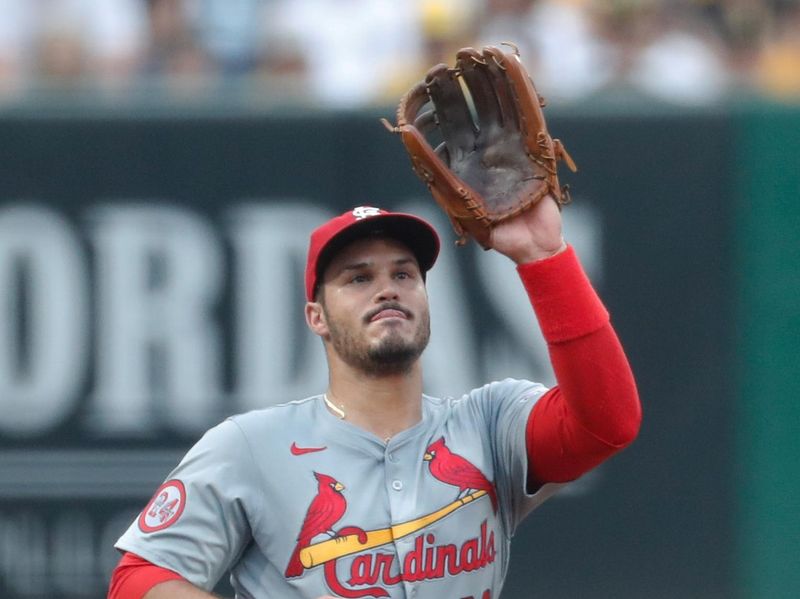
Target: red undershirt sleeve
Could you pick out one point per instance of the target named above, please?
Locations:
(594, 411)
(134, 576)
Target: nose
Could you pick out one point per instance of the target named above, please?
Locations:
(387, 289)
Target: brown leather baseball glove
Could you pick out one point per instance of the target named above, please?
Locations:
(496, 157)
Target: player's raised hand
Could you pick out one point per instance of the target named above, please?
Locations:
(531, 235)
(496, 158)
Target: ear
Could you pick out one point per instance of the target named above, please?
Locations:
(315, 318)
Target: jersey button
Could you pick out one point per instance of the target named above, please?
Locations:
(397, 485)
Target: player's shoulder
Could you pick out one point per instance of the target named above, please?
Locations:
(499, 391)
(257, 432)
(278, 413)
(507, 387)
(511, 386)
(494, 392)
(278, 417)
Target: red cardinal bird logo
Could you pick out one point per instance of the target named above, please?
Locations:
(325, 510)
(452, 469)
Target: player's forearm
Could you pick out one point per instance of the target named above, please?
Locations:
(598, 386)
(562, 296)
(595, 410)
(592, 414)
(589, 363)
(177, 589)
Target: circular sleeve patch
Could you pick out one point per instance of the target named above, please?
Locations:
(164, 508)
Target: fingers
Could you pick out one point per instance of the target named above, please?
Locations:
(500, 91)
(476, 71)
(426, 121)
(452, 110)
(472, 67)
(480, 101)
(497, 73)
(522, 94)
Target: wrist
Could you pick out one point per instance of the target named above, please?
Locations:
(562, 297)
(536, 253)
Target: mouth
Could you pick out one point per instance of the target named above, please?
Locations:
(385, 312)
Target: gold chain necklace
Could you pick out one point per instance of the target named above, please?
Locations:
(335, 409)
(339, 411)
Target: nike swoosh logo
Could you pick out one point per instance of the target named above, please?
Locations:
(303, 450)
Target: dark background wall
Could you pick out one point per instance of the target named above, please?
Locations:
(114, 210)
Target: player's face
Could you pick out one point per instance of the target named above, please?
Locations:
(375, 306)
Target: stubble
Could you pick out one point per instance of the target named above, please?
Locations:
(391, 356)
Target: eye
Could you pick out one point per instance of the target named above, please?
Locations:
(360, 278)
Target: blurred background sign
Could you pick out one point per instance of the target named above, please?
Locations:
(163, 162)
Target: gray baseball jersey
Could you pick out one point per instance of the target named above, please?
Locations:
(298, 503)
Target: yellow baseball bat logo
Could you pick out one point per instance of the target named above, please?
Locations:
(325, 551)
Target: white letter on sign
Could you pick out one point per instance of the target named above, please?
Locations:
(43, 319)
(278, 358)
(159, 272)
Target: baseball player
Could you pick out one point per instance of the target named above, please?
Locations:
(372, 488)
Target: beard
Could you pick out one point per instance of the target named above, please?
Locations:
(392, 355)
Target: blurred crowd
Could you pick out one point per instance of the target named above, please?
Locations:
(353, 53)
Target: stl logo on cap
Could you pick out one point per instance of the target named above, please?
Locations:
(365, 211)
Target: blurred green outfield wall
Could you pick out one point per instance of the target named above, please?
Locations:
(150, 285)
(768, 422)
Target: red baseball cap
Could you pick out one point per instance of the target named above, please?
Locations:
(326, 240)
